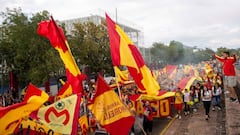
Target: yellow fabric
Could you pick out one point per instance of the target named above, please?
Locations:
(108, 108)
(37, 126)
(127, 59)
(67, 92)
(56, 122)
(152, 98)
(178, 98)
(83, 122)
(69, 61)
(151, 85)
(13, 117)
(121, 75)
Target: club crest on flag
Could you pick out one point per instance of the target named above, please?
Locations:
(61, 115)
(57, 114)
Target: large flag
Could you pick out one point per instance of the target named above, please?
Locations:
(108, 109)
(61, 116)
(54, 33)
(125, 53)
(11, 116)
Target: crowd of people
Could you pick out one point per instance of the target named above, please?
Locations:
(8, 98)
(206, 91)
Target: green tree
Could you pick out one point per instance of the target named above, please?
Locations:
(90, 45)
(159, 53)
(27, 54)
(176, 52)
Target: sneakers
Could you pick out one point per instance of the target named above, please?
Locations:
(207, 117)
(178, 116)
(213, 109)
(233, 100)
(195, 110)
(236, 101)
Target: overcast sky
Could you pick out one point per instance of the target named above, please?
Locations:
(201, 23)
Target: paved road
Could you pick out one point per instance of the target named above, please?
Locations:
(195, 124)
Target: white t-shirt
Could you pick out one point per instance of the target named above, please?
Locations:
(206, 95)
(186, 96)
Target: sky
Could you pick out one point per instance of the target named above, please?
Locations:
(200, 23)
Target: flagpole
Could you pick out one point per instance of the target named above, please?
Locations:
(119, 92)
(118, 87)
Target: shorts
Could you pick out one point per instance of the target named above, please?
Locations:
(178, 106)
(231, 81)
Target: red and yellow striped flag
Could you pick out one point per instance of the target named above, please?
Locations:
(125, 53)
(108, 109)
(11, 116)
(54, 33)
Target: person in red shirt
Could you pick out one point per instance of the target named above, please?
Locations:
(148, 117)
(229, 72)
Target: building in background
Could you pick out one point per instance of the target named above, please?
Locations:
(133, 31)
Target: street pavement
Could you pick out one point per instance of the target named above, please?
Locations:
(195, 123)
(221, 122)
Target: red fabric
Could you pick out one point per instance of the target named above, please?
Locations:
(114, 41)
(126, 123)
(54, 33)
(228, 67)
(63, 89)
(31, 91)
(47, 86)
(150, 115)
(134, 97)
(178, 106)
(182, 84)
(121, 126)
(170, 69)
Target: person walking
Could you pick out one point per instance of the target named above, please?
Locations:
(206, 95)
(178, 102)
(186, 99)
(194, 95)
(229, 73)
(216, 92)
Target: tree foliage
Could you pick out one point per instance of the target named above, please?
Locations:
(27, 54)
(177, 53)
(90, 45)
